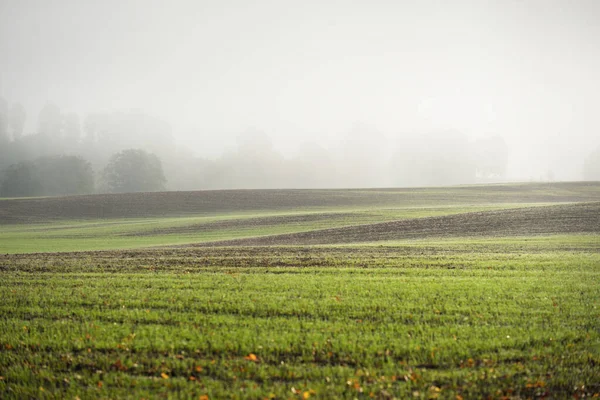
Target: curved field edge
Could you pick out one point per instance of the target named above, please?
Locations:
(556, 219)
(428, 316)
(63, 236)
(177, 204)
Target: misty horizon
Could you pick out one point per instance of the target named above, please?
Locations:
(307, 77)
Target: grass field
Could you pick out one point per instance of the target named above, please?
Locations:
(465, 292)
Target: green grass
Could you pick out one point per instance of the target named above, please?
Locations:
(336, 322)
(495, 245)
(436, 314)
(65, 236)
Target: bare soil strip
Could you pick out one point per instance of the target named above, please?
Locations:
(254, 222)
(165, 204)
(559, 219)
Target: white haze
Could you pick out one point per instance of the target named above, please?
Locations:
(310, 71)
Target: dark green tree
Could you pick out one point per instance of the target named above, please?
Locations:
(48, 176)
(133, 170)
(21, 180)
(65, 175)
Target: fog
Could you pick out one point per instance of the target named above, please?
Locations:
(307, 94)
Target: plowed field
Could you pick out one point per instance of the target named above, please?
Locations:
(563, 219)
(451, 293)
(177, 204)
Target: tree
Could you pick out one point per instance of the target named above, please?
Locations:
(21, 180)
(591, 166)
(16, 120)
(48, 176)
(134, 170)
(65, 175)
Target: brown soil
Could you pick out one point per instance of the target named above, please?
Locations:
(162, 204)
(559, 219)
(243, 223)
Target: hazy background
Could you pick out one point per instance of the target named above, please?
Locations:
(366, 81)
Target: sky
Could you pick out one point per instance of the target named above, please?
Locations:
(307, 71)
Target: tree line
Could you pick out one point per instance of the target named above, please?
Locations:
(64, 156)
(130, 170)
(126, 151)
